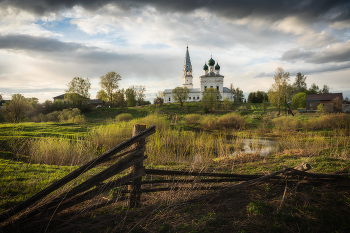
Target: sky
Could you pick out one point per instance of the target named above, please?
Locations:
(44, 44)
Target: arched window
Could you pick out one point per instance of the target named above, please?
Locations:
(169, 98)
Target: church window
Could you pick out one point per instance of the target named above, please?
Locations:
(211, 86)
(205, 87)
(217, 87)
(197, 97)
(190, 97)
(169, 98)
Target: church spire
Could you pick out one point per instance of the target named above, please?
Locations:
(187, 65)
(187, 71)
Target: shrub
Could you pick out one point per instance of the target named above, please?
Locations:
(193, 119)
(53, 116)
(287, 123)
(336, 121)
(68, 114)
(208, 122)
(124, 117)
(231, 121)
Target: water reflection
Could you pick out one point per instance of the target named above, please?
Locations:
(263, 147)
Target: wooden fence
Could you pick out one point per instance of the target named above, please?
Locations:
(133, 161)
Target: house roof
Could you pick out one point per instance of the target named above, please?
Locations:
(96, 101)
(59, 97)
(327, 96)
(226, 90)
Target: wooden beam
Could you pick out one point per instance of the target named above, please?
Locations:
(71, 176)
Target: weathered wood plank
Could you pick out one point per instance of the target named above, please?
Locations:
(84, 168)
(182, 173)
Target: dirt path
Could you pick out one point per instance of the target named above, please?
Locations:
(173, 118)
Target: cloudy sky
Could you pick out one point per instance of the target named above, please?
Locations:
(45, 43)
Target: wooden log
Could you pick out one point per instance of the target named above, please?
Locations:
(230, 188)
(182, 173)
(318, 176)
(176, 189)
(174, 181)
(135, 187)
(71, 176)
(81, 198)
(116, 168)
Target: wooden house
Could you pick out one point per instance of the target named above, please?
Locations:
(312, 101)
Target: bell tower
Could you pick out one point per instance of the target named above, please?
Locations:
(187, 72)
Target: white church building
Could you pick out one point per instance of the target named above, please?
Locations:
(211, 78)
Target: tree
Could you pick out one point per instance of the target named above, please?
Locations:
(101, 94)
(130, 97)
(337, 104)
(16, 109)
(78, 91)
(281, 89)
(119, 98)
(264, 105)
(0, 97)
(251, 97)
(314, 89)
(321, 108)
(109, 83)
(299, 101)
(210, 100)
(239, 96)
(325, 89)
(300, 83)
(180, 94)
(159, 98)
(139, 92)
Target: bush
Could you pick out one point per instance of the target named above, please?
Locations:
(208, 122)
(336, 121)
(124, 117)
(287, 123)
(53, 116)
(231, 121)
(193, 119)
(68, 114)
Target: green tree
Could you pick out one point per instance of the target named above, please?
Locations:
(130, 97)
(321, 108)
(299, 101)
(238, 95)
(211, 98)
(281, 89)
(159, 98)
(119, 98)
(264, 105)
(300, 83)
(180, 94)
(101, 94)
(1, 98)
(314, 89)
(16, 109)
(109, 83)
(325, 89)
(78, 92)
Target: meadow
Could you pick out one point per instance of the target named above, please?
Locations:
(33, 155)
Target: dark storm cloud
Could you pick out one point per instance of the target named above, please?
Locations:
(57, 49)
(42, 44)
(310, 9)
(337, 53)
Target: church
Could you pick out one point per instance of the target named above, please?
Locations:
(211, 78)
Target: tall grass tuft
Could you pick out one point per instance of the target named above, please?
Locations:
(60, 151)
(193, 119)
(231, 121)
(287, 123)
(208, 123)
(336, 121)
(123, 117)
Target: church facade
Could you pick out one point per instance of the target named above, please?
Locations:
(210, 78)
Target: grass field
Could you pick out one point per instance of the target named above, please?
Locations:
(33, 155)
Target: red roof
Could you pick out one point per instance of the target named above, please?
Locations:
(327, 96)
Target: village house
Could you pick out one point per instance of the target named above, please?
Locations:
(312, 101)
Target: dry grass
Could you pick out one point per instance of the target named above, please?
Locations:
(193, 119)
(123, 117)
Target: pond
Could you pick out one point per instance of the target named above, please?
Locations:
(262, 146)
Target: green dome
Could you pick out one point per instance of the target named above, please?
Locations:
(217, 67)
(205, 67)
(211, 62)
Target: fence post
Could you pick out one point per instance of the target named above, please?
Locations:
(135, 187)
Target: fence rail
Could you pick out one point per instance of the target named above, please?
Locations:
(133, 161)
